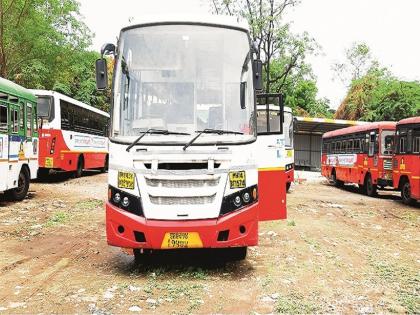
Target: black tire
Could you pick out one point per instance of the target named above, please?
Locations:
(233, 253)
(288, 187)
(20, 192)
(43, 173)
(80, 165)
(406, 193)
(371, 189)
(336, 182)
(106, 166)
(362, 189)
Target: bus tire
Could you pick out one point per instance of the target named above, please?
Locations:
(362, 189)
(234, 253)
(80, 165)
(288, 186)
(19, 193)
(336, 182)
(43, 173)
(406, 193)
(371, 189)
(104, 169)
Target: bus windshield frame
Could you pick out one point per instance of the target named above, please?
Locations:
(183, 78)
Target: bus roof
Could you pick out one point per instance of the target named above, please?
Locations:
(217, 20)
(69, 99)
(411, 120)
(362, 128)
(14, 89)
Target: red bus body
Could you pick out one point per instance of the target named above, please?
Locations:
(72, 135)
(407, 159)
(360, 155)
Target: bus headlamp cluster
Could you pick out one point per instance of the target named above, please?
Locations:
(289, 167)
(125, 201)
(239, 200)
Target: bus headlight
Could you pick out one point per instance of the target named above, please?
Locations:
(239, 200)
(125, 201)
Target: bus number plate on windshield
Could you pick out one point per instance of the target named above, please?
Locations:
(125, 180)
(237, 179)
(181, 240)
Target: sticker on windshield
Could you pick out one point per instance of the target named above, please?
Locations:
(125, 180)
(237, 179)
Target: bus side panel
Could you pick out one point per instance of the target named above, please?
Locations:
(4, 161)
(94, 159)
(412, 167)
(272, 195)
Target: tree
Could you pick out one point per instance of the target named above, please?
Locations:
(272, 37)
(358, 62)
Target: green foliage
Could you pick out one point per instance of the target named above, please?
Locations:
(44, 44)
(379, 96)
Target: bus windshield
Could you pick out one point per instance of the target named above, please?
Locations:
(288, 129)
(387, 142)
(183, 78)
(45, 109)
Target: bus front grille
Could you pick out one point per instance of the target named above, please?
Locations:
(167, 201)
(182, 183)
(388, 165)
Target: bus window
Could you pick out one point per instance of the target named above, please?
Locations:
(416, 146)
(402, 147)
(45, 108)
(372, 141)
(14, 119)
(387, 142)
(29, 120)
(22, 116)
(3, 118)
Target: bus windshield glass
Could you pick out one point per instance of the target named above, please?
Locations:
(45, 109)
(184, 79)
(387, 142)
(288, 129)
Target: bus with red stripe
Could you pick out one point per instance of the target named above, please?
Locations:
(407, 159)
(72, 135)
(360, 155)
(185, 168)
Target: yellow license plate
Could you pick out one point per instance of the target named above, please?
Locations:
(49, 162)
(181, 240)
(237, 179)
(125, 180)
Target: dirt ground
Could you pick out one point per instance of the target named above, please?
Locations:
(338, 251)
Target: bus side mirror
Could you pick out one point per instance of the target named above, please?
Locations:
(101, 74)
(258, 80)
(108, 49)
(243, 95)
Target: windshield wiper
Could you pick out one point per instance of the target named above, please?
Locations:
(214, 131)
(155, 131)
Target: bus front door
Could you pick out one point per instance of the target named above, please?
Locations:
(270, 156)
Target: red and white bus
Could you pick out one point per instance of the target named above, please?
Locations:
(72, 135)
(407, 159)
(360, 155)
(185, 168)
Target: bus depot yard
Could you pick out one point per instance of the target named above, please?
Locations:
(338, 251)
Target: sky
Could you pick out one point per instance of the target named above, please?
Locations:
(390, 28)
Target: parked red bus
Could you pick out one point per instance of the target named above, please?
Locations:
(72, 135)
(360, 155)
(407, 159)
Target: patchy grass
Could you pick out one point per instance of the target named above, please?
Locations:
(404, 281)
(89, 204)
(57, 219)
(291, 223)
(294, 304)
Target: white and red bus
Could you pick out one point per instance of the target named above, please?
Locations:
(360, 155)
(183, 152)
(72, 135)
(407, 159)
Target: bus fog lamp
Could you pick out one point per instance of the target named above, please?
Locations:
(126, 202)
(117, 198)
(237, 201)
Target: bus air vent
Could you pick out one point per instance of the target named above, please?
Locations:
(179, 201)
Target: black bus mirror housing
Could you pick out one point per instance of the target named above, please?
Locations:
(101, 74)
(258, 80)
(108, 49)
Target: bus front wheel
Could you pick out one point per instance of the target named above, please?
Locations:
(19, 193)
(371, 189)
(288, 186)
(406, 193)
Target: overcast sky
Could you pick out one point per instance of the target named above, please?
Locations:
(391, 28)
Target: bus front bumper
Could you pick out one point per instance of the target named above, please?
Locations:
(127, 230)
